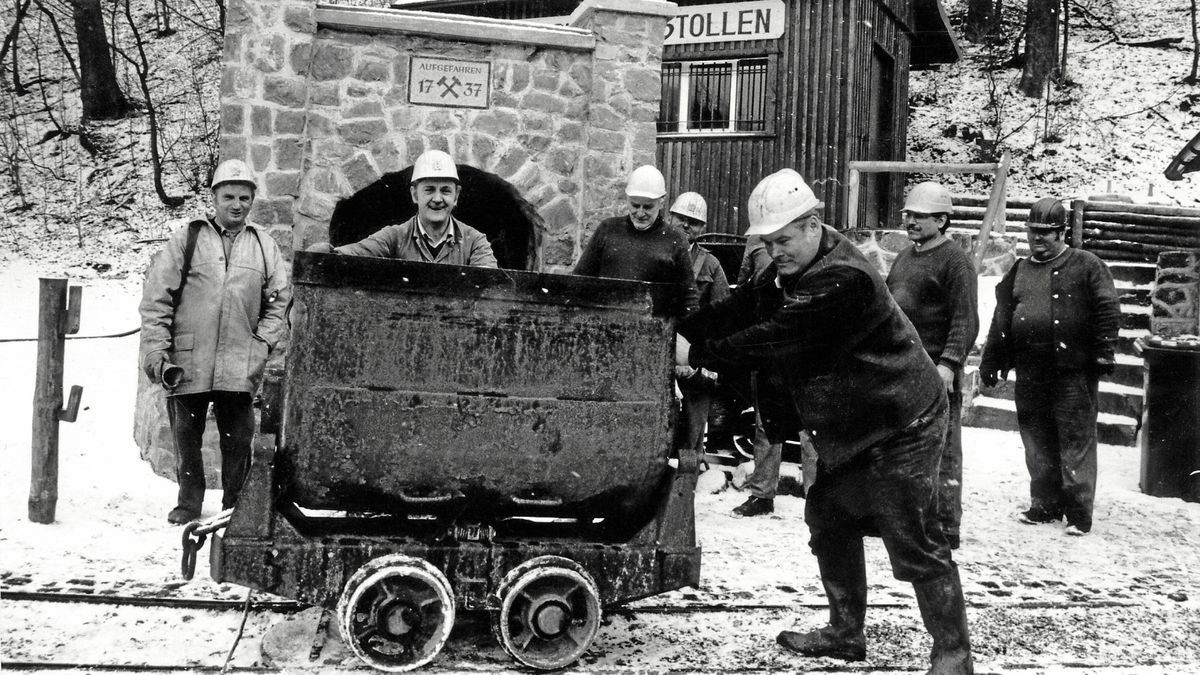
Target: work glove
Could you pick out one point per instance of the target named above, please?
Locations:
(1105, 366)
(153, 367)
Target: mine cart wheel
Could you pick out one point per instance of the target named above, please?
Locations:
(549, 612)
(396, 612)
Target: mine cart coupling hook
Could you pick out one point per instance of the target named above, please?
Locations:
(195, 534)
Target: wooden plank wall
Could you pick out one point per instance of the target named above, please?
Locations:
(822, 73)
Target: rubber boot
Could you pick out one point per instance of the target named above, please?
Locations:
(944, 612)
(846, 589)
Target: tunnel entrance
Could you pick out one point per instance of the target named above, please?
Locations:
(488, 203)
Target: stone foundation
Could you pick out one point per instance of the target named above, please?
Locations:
(1175, 301)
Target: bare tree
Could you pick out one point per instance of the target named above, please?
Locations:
(1194, 76)
(141, 65)
(1041, 46)
(981, 21)
(98, 90)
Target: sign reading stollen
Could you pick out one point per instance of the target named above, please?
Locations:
(449, 82)
(753, 20)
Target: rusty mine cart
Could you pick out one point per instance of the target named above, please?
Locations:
(448, 439)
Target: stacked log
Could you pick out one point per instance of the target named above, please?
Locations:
(1133, 232)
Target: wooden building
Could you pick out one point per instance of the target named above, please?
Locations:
(752, 86)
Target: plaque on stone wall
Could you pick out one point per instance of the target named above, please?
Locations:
(449, 82)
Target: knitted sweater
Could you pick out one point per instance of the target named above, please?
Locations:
(619, 251)
(938, 292)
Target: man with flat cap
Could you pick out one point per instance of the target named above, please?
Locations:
(843, 363)
(1056, 319)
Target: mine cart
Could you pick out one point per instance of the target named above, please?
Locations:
(452, 439)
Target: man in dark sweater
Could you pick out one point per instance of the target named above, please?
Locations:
(847, 367)
(1057, 317)
(641, 246)
(934, 283)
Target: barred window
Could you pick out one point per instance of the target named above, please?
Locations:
(714, 96)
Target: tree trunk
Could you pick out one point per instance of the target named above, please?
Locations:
(1192, 78)
(101, 96)
(979, 23)
(1041, 45)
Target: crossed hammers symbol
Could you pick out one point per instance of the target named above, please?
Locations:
(450, 86)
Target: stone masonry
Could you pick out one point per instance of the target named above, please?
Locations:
(1175, 301)
(318, 100)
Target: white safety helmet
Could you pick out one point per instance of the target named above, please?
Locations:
(434, 164)
(233, 171)
(929, 197)
(777, 200)
(692, 205)
(646, 181)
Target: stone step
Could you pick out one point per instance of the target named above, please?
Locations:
(1138, 273)
(1136, 316)
(1117, 399)
(1133, 296)
(996, 413)
(1128, 371)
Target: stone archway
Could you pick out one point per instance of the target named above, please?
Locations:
(488, 203)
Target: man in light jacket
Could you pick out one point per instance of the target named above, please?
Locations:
(212, 310)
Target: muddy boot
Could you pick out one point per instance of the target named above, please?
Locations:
(944, 612)
(846, 588)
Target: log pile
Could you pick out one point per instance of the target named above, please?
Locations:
(1126, 232)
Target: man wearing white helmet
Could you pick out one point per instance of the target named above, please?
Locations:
(641, 246)
(934, 283)
(212, 310)
(845, 365)
(689, 213)
(433, 235)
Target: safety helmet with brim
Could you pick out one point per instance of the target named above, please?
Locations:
(1047, 213)
(691, 205)
(646, 182)
(778, 200)
(233, 171)
(928, 198)
(434, 165)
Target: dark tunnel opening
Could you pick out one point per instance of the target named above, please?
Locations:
(488, 203)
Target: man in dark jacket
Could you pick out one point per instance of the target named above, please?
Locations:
(208, 325)
(849, 369)
(934, 283)
(642, 246)
(689, 213)
(1056, 319)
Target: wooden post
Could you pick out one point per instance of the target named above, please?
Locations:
(996, 208)
(1077, 207)
(852, 208)
(54, 322)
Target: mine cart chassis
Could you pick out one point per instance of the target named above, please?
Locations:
(395, 597)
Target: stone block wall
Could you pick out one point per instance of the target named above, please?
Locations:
(1175, 301)
(317, 100)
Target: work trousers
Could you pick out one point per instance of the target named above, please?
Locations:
(888, 490)
(764, 480)
(1056, 411)
(235, 423)
(697, 401)
(950, 474)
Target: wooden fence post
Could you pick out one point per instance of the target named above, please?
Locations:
(55, 320)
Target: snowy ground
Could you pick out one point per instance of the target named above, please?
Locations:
(1125, 598)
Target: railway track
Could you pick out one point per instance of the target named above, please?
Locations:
(174, 634)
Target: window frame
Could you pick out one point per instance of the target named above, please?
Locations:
(733, 59)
